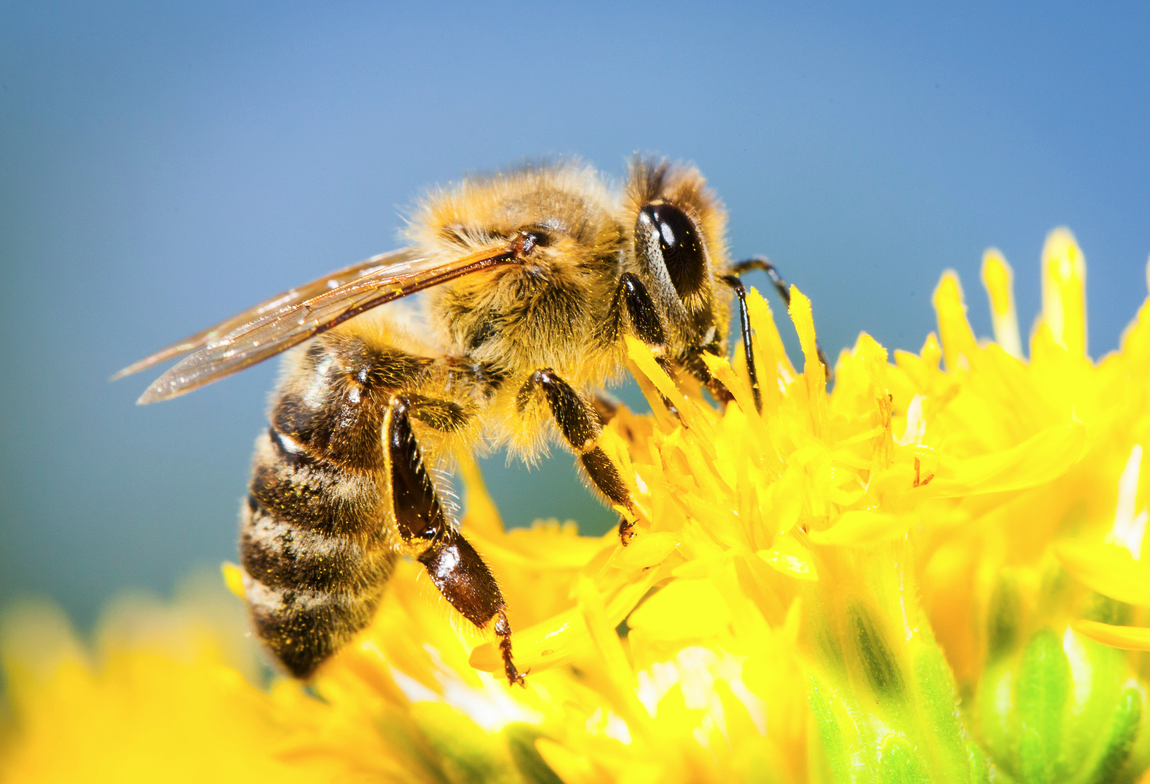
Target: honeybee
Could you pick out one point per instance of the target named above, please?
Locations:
(526, 280)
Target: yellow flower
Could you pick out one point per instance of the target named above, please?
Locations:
(924, 575)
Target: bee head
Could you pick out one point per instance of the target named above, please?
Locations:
(678, 247)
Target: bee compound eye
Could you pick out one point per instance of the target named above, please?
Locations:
(679, 244)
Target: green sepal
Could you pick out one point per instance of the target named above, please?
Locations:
(900, 764)
(831, 716)
(994, 713)
(1117, 742)
(937, 709)
(1041, 697)
(877, 659)
(905, 727)
(982, 770)
(1065, 710)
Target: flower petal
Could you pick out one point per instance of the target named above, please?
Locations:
(862, 526)
(555, 640)
(791, 558)
(957, 338)
(1130, 638)
(1108, 569)
(1039, 459)
(1064, 291)
(998, 279)
(683, 609)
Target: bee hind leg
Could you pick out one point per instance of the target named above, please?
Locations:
(466, 582)
(580, 425)
(452, 563)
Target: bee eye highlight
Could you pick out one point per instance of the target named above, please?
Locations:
(678, 242)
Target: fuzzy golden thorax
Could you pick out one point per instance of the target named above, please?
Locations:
(543, 312)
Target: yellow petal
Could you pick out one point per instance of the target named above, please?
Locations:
(957, 339)
(1038, 459)
(1108, 569)
(722, 370)
(998, 279)
(481, 512)
(233, 578)
(793, 623)
(546, 546)
(767, 340)
(645, 361)
(791, 558)
(683, 609)
(861, 527)
(931, 351)
(645, 550)
(555, 640)
(1064, 291)
(1130, 638)
(538, 647)
(813, 371)
(803, 318)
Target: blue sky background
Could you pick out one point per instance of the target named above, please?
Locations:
(165, 165)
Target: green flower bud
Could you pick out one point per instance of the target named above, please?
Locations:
(1065, 709)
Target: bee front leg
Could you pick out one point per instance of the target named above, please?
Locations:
(452, 563)
(642, 312)
(760, 263)
(646, 324)
(579, 424)
(745, 330)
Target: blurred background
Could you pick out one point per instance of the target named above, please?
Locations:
(163, 166)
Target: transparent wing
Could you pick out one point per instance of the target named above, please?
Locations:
(279, 302)
(271, 328)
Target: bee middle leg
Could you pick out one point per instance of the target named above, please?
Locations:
(452, 563)
(580, 425)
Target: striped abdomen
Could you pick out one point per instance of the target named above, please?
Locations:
(313, 545)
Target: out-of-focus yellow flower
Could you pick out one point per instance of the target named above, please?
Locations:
(923, 576)
(163, 697)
